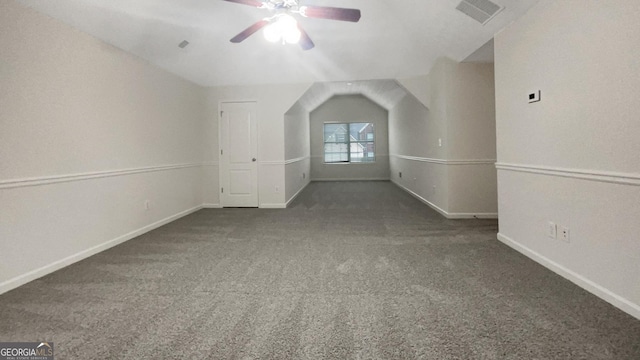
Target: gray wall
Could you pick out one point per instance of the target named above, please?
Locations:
(89, 135)
(572, 158)
(273, 101)
(447, 153)
(296, 151)
(349, 108)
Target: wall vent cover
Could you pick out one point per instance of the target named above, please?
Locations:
(479, 10)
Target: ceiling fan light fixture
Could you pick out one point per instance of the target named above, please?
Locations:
(284, 28)
(271, 33)
(292, 35)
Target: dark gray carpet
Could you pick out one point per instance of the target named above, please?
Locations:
(351, 270)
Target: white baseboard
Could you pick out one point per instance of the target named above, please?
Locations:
(472, 215)
(352, 179)
(57, 265)
(592, 287)
(260, 206)
(296, 194)
(211, 206)
(445, 213)
(427, 202)
(273, 206)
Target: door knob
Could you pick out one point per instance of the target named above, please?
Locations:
(254, 159)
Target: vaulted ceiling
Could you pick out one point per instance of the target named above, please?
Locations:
(385, 93)
(394, 39)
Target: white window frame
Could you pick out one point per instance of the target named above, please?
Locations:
(349, 162)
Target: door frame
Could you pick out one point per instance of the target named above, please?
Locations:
(220, 102)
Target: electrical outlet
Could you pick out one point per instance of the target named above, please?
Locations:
(400, 174)
(564, 234)
(147, 205)
(439, 142)
(304, 175)
(277, 189)
(552, 230)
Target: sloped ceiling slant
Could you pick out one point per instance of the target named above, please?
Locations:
(393, 40)
(386, 93)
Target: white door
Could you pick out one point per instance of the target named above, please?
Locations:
(238, 155)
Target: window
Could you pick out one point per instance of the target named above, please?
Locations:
(349, 143)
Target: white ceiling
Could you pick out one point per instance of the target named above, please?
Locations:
(394, 39)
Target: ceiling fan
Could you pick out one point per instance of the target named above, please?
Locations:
(282, 26)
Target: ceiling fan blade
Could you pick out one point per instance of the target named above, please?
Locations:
(305, 41)
(333, 13)
(249, 31)
(254, 3)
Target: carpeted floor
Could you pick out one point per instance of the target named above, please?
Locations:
(351, 270)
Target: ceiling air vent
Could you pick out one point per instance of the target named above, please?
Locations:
(480, 10)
